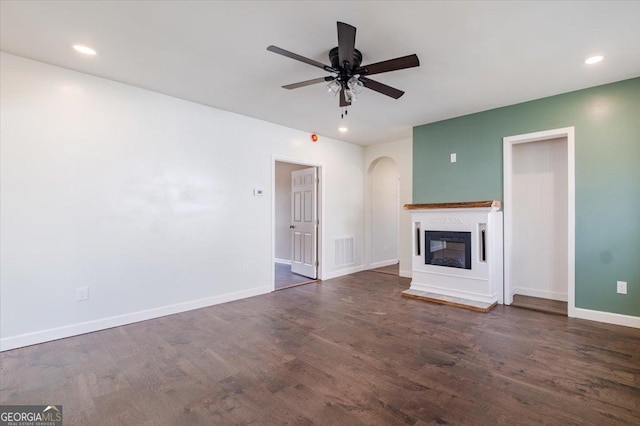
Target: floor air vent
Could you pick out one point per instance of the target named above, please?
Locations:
(344, 250)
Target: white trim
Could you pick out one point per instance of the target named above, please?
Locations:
(405, 274)
(553, 295)
(383, 263)
(283, 261)
(343, 272)
(608, 317)
(27, 339)
(445, 274)
(320, 213)
(508, 143)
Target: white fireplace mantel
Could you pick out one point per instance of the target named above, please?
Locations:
(483, 283)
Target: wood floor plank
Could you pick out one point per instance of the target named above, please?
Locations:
(549, 306)
(345, 351)
(391, 269)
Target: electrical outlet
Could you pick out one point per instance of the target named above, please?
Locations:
(245, 269)
(622, 287)
(386, 248)
(82, 293)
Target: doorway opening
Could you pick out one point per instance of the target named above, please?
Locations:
(384, 215)
(296, 223)
(539, 221)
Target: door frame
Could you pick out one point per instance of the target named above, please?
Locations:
(508, 144)
(319, 207)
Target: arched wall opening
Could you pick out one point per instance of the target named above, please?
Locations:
(383, 212)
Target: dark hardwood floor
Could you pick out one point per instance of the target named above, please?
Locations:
(346, 351)
(539, 304)
(391, 269)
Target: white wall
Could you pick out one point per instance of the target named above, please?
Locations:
(283, 208)
(539, 236)
(383, 184)
(402, 153)
(144, 198)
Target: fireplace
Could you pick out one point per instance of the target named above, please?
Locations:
(457, 253)
(448, 248)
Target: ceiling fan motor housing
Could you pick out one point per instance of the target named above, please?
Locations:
(335, 61)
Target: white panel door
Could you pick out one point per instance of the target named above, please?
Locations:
(304, 227)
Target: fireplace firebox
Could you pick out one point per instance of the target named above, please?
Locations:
(446, 248)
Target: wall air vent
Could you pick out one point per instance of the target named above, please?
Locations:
(344, 251)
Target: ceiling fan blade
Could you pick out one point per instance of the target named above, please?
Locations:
(307, 82)
(346, 43)
(279, 51)
(381, 88)
(343, 99)
(408, 61)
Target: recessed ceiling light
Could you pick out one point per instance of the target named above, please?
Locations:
(84, 49)
(593, 60)
(342, 129)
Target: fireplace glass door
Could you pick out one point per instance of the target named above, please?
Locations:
(445, 248)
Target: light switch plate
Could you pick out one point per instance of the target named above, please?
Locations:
(453, 157)
(622, 287)
(257, 192)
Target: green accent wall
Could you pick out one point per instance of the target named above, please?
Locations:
(607, 155)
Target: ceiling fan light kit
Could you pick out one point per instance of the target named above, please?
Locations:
(348, 76)
(334, 87)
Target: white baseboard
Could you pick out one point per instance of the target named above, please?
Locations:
(28, 339)
(283, 261)
(608, 317)
(342, 272)
(553, 295)
(405, 273)
(383, 263)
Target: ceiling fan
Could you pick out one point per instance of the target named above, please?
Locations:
(349, 77)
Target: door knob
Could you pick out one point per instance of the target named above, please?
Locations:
(291, 226)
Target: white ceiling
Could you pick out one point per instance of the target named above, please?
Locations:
(474, 55)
